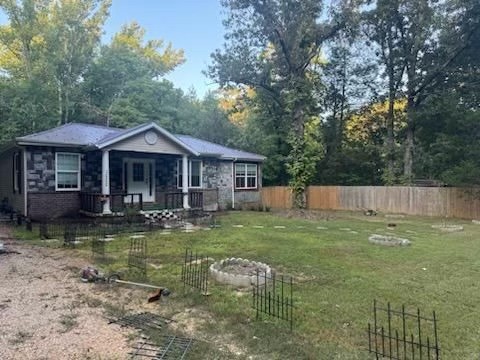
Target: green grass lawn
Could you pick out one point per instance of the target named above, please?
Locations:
(337, 275)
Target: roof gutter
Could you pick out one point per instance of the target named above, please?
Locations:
(35, 143)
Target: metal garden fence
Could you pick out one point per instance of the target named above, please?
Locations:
(416, 338)
(137, 255)
(195, 271)
(273, 296)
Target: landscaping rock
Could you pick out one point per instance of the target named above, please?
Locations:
(448, 228)
(388, 240)
(239, 272)
(394, 216)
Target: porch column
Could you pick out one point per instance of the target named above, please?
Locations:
(185, 176)
(106, 181)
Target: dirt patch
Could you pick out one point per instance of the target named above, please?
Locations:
(190, 321)
(48, 313)
(248, 269)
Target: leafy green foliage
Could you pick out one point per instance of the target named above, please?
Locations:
(273, 47)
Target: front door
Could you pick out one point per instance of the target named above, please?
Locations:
(140, 179)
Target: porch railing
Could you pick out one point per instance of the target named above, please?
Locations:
(195, 199)
(174, 199)
(92, 202)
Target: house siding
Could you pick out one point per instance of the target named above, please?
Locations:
(218, 174)
(41, 168)
(43, 201)
(92, 172)
(138, 144)
(15, 200)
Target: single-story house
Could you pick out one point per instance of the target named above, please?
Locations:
(97, 170)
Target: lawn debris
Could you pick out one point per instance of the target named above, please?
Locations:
(369, 212)
(142, 321)
(172, 347)
(5, 251)
(89, 274)
(157, 295)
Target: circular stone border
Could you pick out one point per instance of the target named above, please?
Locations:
(238, 280)
(448, 228)
(386, 240)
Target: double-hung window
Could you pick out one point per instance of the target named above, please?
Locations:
(194, 171)
(67, 171)
(246, 176)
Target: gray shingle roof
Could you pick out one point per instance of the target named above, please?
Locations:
(72, 134)
(76, 134)
(211, 149)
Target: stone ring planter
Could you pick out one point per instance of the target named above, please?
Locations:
(239, 272)
(448, 228)
(388, 240)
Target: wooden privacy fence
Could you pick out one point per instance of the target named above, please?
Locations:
(424, 201)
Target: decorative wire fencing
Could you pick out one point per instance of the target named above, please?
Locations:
(416, 338)
(98, 249)
(273, 296)
(137, 255)
(195, 271)
(70, 235)
(87, 229)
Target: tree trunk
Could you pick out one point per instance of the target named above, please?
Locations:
(409, 142)
(67, 107)
(392, 92)
(390, 138)
(300, 198)
(60, 104)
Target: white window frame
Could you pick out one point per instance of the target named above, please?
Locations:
(179, 170)
(246, 187)
(78, 171)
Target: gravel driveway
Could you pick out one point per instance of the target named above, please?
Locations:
(46, 312)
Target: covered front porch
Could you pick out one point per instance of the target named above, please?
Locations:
(92, 203)
(116, 182)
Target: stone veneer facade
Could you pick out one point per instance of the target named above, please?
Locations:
(44, 201)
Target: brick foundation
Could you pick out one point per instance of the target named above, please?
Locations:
(53, 205)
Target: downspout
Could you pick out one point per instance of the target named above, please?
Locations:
(233, 183)
(24, 173)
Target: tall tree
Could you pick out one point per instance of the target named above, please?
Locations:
(161, 58)
(72, 30)
(423, 33)
(270, 46)
(350, 80)
(384, 36)
(50, 43)
(125, 63)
